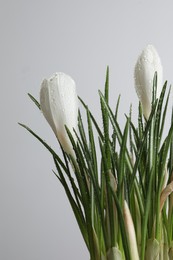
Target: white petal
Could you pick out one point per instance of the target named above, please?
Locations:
(45, 103)
(147, 64)
(59, 103)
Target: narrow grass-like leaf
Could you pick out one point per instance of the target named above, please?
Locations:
(162, 166)
(72, 181)
(47, 146)
(116, 127)
(34, 100)
(171, 150)
(148, 125)
(158, 131)
(136, 137)
(122, 161)
(122, 226)
(140, 121)
(164, 153)
(112, 118)
(78, 214)
(95, 169)
(109, 208)
(145, 216)
(117, 107)
(164, 114)
(130, 134)
(80, 173)
(114, 133)
(154, 148)
(81, 128)
(84, 193)
(105, 119)
(92, 118)
(92, 144)
(107, 85)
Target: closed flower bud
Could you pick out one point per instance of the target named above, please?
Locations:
(114, 253)
(130, 231)
(152, 250)
(147, 64)
(59, 104)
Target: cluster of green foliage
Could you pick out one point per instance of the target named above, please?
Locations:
(135, 166)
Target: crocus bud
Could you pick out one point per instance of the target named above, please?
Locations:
(114, 253)
(130, 231)
(152, 250)
(59, 104)
(147, 64)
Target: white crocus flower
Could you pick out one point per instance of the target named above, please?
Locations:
(59, 104)
(147, 64)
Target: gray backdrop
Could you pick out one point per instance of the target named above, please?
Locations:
(38, 38)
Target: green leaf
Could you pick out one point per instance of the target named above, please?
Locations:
(34, 100)
(46, 145)
(147, 208)
(140, 151)
(92, 145)
(105, 118)
(117, 130)
(109, 202)
(115, 124)
(122, 161)
(107, 85)
(92, 118)
(122, 226)
(117, 107)
(77, 212)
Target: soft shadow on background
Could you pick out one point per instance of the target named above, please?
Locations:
(79, 38)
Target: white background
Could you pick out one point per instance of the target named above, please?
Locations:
(80, 38)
